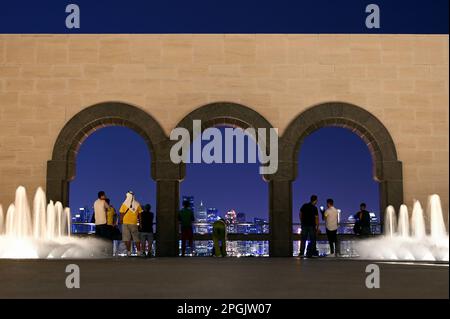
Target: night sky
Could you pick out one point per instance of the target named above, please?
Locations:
(333, 162)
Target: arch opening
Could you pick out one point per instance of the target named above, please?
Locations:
(386, 169)
(235, 192)
(114, 159)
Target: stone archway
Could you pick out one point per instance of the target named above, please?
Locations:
(224, 113)
(236, 115)
(61, 169)
(387, 170)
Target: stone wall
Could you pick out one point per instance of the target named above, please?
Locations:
(401, 79)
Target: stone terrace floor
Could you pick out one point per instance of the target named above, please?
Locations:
(207, 277)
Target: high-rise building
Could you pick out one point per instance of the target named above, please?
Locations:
(201, 217)
(201, 214)
(242, 226)
(231, 216)
(213, 214)
(261, 226)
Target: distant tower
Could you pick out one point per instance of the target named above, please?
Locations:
(202, 214)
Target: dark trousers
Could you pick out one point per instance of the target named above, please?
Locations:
(186, 235)
(365, 231)
(103, 231)
(332, 240)
(308, 232)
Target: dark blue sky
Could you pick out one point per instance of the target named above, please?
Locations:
(231, 16)
(333, 162)
(114, 159)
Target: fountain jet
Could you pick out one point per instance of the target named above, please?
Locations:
(403, 222)
(43, 232)
(1, 220)
(437, 227)
(398, 243)
(390, 221)
(417, 221)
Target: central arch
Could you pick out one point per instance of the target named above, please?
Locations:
(235, 115)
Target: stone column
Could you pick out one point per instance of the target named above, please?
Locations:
(167, 197)
(391, 188)
(57, 188)
(168, 176)
(280, 194)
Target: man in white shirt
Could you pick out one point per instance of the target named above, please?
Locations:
(100, 210)
(331, 221)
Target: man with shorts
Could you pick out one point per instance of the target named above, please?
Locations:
(129, 214)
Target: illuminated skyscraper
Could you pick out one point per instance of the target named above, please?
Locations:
(231, 216)
(202, 214)
(242, 227)
(212, 214)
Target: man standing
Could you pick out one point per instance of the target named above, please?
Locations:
(186, 217)
(220, 235)
(129, 214)
(309, 219)
(331, 216)
(113, 226)
(363, 217)
(146, 229)
(100, 211)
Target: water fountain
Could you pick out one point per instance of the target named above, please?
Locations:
(406, 238)
(43, 232)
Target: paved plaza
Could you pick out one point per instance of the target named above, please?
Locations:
(221, 278)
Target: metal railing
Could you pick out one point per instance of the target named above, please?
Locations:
(343, 228)
(242, 230)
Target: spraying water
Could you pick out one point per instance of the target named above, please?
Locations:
(398, 243)
(437, 226)
(43, 232)
(1, 220)
(39, 214)
(403, 222)
(417, 221)
(390, 221)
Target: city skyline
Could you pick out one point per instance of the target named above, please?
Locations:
(102, 165)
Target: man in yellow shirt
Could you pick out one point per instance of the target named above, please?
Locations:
(111, 217)
(129, 214)
(113, 226)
